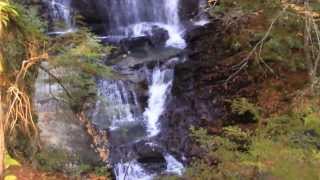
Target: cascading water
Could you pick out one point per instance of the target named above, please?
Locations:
(135, 18)
(60, 12)
(118, 108)
(133, 171)
(128, 19)
(117, 104)
(159, 90)
(202, 18)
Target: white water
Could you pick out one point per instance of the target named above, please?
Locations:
(135, 18)
(145, 29)
(61, 12)
(174, 29)
(202, 16)
(116, 104)
(133, 171)
(159, 90)
(173, 165)
(201, 22)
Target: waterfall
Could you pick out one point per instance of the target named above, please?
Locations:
(173, 166)
(131, 171)
(135, 18)
(158, 92)
(201, 18)
(117, 104)
(60, 13)
(131, 119)
(117, 108)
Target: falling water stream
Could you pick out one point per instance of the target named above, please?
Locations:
(117, 104)
(159, 89)
(135, 18)
(60, 13)
(118, 108)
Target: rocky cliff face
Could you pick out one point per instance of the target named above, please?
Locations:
(200, 89)
(92, 13)
(60, 128)
(191, 103)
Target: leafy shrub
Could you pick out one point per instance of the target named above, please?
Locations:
(102, 171)
(244, 108)
(82, 168)
(286, 148)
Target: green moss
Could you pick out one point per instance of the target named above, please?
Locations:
(102, 171)
(52, 160)
(56, 160)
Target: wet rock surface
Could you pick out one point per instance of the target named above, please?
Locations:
(194, 100)
(150, 156)
(188, 9)
(158, 36)
(154, 38)
(190, 103)
(200, 88)
(92, 14)
(60, 128)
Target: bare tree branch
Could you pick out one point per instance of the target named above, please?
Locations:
(57, 80)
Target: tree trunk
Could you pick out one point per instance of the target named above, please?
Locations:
(307, 49)
(2, 118)
(2, 139)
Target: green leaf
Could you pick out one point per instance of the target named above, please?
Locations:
(9, 161)
(10, 177)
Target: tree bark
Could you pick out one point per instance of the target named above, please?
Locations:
(2, 139)
(2, 118)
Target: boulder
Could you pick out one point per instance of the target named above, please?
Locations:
(150, 156)
(158, 36)
(142, 43)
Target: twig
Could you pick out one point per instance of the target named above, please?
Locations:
(312, 46)
(259, 45)
(57, 80)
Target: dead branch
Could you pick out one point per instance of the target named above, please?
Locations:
(244, 63)
(57, 80)
(312, 46)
